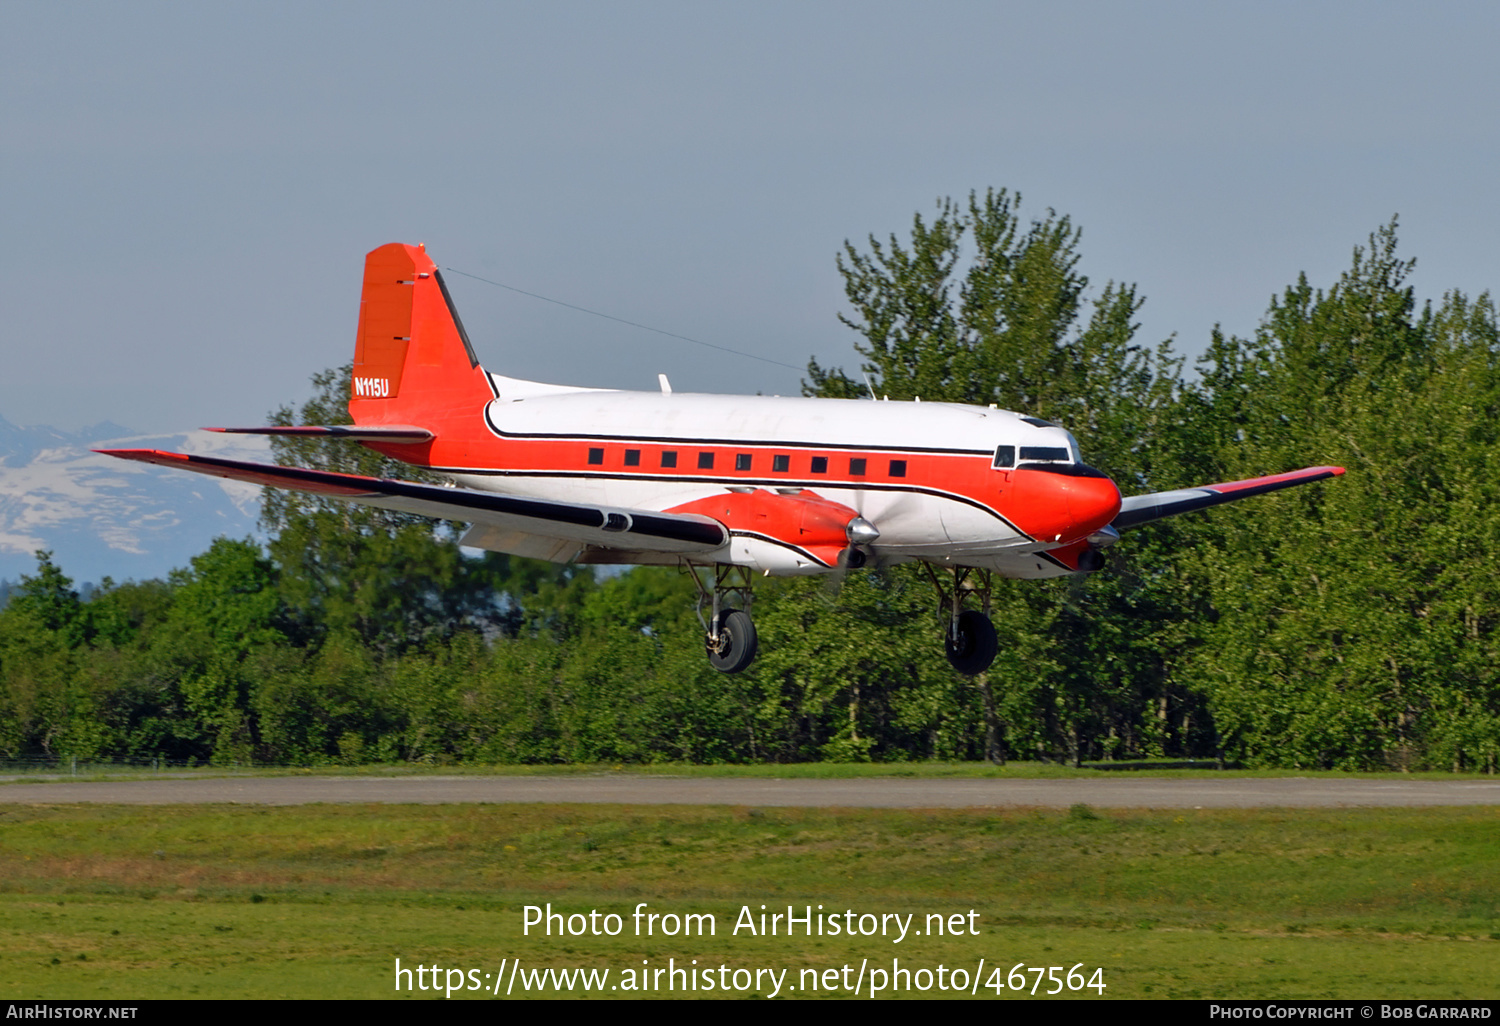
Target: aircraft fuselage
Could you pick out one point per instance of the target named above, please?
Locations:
(971, 485)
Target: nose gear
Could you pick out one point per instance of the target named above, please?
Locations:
(969, 636)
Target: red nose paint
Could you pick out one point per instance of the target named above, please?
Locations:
(1061, 507)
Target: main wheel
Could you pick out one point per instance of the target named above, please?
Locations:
(973, 648)
(735, 647)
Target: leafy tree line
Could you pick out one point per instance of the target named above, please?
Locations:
(1350, 624)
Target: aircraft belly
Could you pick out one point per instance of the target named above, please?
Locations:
(1027, 566)
(970, 536)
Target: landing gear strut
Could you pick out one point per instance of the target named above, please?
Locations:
(968, 635)
(729, 634)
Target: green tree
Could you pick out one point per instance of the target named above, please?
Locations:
(978, 307)
(50, 603)
(1352, 625)
(225, 613)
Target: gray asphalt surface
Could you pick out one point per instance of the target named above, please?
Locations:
(1134, 792)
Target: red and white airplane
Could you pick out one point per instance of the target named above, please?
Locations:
(734, 484)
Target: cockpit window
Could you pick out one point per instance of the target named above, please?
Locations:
(1073, 447)
(1045, 454)
(1005, 457)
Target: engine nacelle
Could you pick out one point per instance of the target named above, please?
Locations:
(802, 533)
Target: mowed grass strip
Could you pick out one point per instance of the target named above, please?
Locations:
(1016, 770)
(319, 901)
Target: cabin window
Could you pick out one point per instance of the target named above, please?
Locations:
(1005, 457)
(632, 457)
(820, 464)
(596, 457)
(857, 466)
(742, 461)
(781, 464)
(898, 468)
(669, 458)
(705, 461)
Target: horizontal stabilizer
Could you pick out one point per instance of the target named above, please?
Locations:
(569, 527)
(1142, 509)
(358, 433)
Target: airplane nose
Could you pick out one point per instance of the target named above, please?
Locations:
(1093, 502)
(1063, 502)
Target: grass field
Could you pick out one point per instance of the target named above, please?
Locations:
(320, 901)
(793, 771)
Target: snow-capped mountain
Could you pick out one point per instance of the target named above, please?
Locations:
(106, 517)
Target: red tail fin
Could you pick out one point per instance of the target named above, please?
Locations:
(413, 363)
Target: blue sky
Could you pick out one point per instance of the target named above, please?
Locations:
(189, 189)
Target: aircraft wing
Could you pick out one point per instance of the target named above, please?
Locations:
(507, 523)
(1142, 509)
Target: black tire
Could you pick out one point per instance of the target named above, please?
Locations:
(737, 642)
(974, 649)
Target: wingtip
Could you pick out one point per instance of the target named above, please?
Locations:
(147, 455)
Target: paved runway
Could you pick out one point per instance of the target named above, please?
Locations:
(1116, 792)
